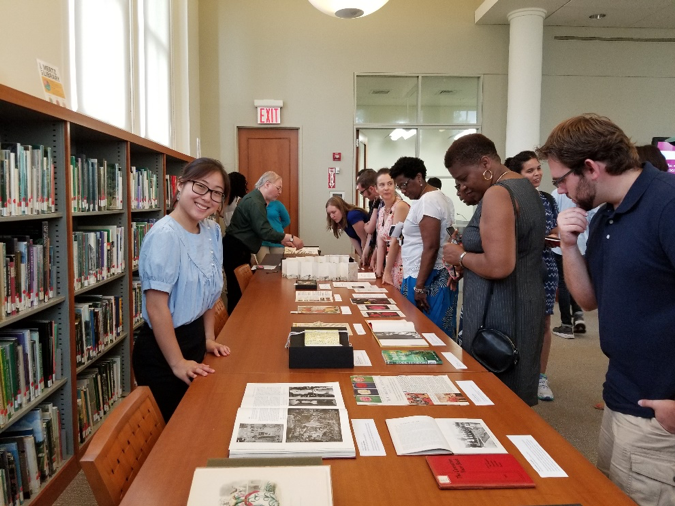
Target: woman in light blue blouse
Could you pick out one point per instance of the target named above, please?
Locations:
(181, 277)
(278, 217)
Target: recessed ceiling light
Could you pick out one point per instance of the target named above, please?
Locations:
(597, 16)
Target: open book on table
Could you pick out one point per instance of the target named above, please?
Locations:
(292, 419)
(398, 333)
(424, 435)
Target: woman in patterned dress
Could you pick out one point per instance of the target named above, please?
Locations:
(527, 164)
(394, 210)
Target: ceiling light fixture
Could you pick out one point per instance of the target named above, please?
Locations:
(597, 16)
(348, 9)
(400, 133)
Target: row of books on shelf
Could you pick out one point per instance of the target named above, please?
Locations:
(170, 189)
(139, 229)
(144, 188)
(99, 322)
(98, 389)
(96, 186)
(98, 253)
(26, 275)
(30, 453)
(26, 179)
(28, 364)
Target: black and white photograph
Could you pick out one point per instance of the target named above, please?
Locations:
(313, 426)
(311, 391)
(473, 435)
(312, 402)
(260, 433)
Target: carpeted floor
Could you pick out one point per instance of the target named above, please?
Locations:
(576, 372)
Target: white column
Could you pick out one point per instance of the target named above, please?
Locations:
(523, 113)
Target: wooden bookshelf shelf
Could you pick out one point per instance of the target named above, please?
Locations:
(70, 139)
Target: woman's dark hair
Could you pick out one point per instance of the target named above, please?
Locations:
(344, 208)
(198, 169)
(652, 154)
(515, 163)
(469, 149)
(409, 166)
(238, 186)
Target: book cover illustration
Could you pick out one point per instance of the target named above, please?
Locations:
(378, 307)
(318, 310)
(403, 357)
(371, 299)
(382, 314)
(321, 337)
(313, 296)
(478, 471)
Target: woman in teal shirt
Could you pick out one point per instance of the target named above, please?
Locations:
(278, 217)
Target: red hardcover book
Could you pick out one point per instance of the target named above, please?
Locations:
(478, 471)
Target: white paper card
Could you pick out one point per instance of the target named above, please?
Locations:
(324, 286)
(474, 393)
(346, 310)
(433, 339)
(359, 329)
(337, 297)
(361, 358)
(367, 438)
(538, 458)
(456, 363)
(367, 275)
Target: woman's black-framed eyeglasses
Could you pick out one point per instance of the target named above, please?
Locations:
(558, 181)
(403, 186)
(202, 189)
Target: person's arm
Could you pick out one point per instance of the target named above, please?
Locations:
(357, 246)
(571, 223)
(664, 412)
(400, 214)
(157, 306)
(372, 223)
(360, 229)
(219, 350)
(379, 261)
(498, 236)
(430, 229)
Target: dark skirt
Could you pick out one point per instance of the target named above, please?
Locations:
(151, 368)
(235, 253)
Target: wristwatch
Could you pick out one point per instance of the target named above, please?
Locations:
(291, 237)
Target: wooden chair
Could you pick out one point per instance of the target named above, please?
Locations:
(119, 448)
(221, 316)
(244, 275)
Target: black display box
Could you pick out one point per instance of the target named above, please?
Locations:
(319, 357)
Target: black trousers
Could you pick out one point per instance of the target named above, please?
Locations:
(235, 253)
(565, 299)
(151, 368)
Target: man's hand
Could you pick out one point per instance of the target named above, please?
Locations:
(571, 223)
(664, 411)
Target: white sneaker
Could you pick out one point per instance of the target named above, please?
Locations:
(544, 392)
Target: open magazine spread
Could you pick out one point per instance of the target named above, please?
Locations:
(261, 486)
(313, 296)
(412, 390)
(292, 419)
(424, 435)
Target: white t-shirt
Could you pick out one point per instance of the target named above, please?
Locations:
(436, 205)
(564, 202)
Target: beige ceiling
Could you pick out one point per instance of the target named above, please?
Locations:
(619, 13)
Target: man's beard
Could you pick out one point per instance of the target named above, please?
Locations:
(585, 194)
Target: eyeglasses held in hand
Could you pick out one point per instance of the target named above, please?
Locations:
(202, 189)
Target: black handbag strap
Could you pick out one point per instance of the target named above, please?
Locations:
(492, 283)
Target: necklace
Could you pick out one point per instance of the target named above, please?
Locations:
(503, 174)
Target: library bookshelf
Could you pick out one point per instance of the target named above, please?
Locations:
(30, 121)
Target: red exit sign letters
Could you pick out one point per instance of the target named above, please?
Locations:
(269, 115)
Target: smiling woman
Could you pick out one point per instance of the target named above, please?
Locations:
(181, 281)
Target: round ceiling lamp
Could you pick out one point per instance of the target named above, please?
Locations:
(348, 9)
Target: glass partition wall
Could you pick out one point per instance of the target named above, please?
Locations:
(415, 115)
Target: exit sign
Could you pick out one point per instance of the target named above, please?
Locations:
(269, 115)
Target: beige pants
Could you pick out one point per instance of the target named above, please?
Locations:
(264, 250)
(638, 455)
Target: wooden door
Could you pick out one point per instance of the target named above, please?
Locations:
(263, 149)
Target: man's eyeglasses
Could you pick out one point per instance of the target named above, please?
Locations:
(557, 182)
(202, 189)
(403, 186)
(279, 188)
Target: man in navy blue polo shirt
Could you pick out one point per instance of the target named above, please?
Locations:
(629, 276)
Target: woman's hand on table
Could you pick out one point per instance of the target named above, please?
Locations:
(387, 279)
(187, 370)
(219, 350)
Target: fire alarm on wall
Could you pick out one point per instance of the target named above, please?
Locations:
(337, 157)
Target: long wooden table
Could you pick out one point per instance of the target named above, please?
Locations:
(202, 425)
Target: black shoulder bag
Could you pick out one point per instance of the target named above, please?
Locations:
(493, 349)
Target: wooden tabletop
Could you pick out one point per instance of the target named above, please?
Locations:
(203, 423)
(256, 332)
